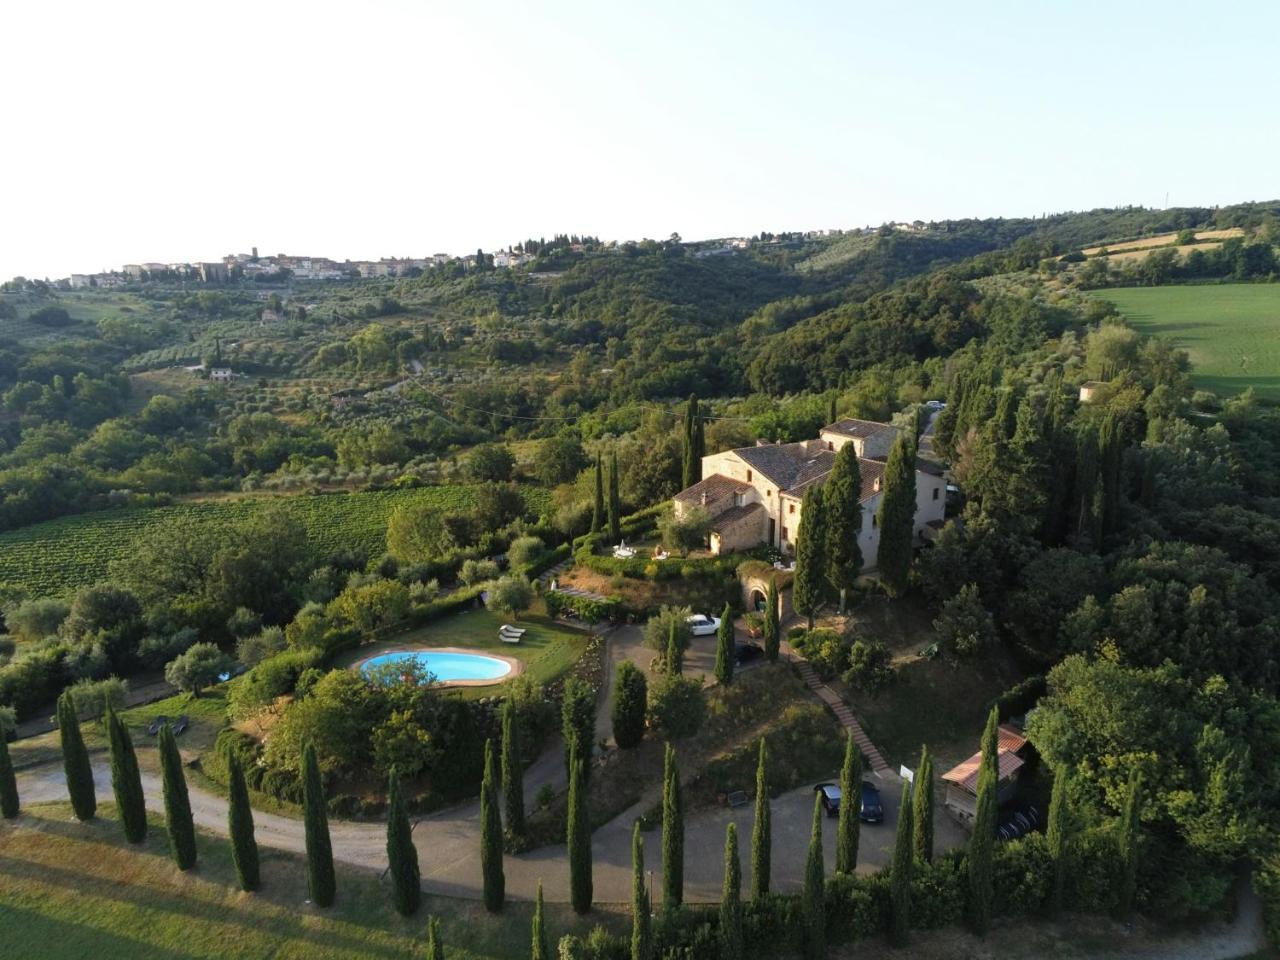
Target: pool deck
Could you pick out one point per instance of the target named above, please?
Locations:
(516, 664)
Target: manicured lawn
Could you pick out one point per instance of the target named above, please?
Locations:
(70, 890)
(1231, 331)
(547, 649)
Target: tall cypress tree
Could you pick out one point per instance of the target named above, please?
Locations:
(772, 624)
(690, 458)
(402, 855)
(725, 651)
(630, 696)
(982, 843)
(597, 505)
(922, 808)
(672, 834)
(126, 780)
(832, 417)
(731, 942)
(1129, 822)
(577, 723)
(177, 805)
(699, 443)
(321, 882)
(435, 943)
(75, 761)
(1059, 838)
(849, 827)
(244, 848)
(512, 770)
(615, 500)
(1110, 452)
(900, 872)
(843, 513)
(9, 804)
(538, 949)
(897, 516)
(578, 831)
(810, 581)
(495, 883)
(675, 650)
(1087, 493)
(641, 921)
(762, 829)
(813, 906)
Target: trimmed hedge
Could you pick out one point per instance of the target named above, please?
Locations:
(1020, 698)
(587, 609)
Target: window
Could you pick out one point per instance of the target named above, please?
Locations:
(784, 533)
(748, 476)
(935, 493)
(875, 520)
(830, 445)
(791, 508)
(768, 493)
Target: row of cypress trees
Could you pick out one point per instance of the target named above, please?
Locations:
(607, 511)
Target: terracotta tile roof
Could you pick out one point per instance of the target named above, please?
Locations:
(965, 775)
(1011, 738)
(716, 487)
(860, 429)
(780, 462)
(870, 471)
(734, 514)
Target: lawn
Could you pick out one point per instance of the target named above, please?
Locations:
(1231, 331)
(70, 890)
(547, 649)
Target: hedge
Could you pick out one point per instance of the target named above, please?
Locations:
(587, 609)
(1020, 698)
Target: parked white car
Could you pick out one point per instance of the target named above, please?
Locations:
(702, 626)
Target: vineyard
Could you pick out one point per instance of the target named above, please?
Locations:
(56, 557)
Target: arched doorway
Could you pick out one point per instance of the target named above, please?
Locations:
(758, 601)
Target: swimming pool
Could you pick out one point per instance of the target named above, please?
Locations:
(447, 666)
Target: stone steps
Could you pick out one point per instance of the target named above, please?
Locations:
(842, 711)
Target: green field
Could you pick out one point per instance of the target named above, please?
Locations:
(1231, 331)
(60, 555)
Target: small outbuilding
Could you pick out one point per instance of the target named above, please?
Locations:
(1090, 390)
(962, 779)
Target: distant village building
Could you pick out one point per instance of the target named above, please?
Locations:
(221, 374)
(1090, 390)
(213, 272)
(80, 281)
(755, 495)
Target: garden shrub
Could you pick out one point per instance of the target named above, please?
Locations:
(1023, 873)
(869, 666)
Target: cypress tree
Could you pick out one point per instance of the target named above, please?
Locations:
(578, 831)
(982, 843)
(811, 566)
(922, 808)
(1087, 493)
(597, 505)
(1129, 821)
(843, 513)
(75, 761)
(1110, 451)
(831, 408)
(772, 624)
(900, 872)
(812, 901)
(495, 884)
(577, 724)
(244, 848)
(1059, 838)
(675, 650)
(641, 934)
(761, 830)
(321, 883)
(177, 805)
(538, 949)
(725, 652)
(9, 805)
(615, 501)
(126, 780)
(672, 834)
(435, 943)
(699, 444)
(402, 856)
(512, 770)
(897, 516)
(731, 945)
(630, 695)
(691, 460)
(849, 827)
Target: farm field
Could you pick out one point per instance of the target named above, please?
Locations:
(1231, 331)
(1162, 240)
(60, 555)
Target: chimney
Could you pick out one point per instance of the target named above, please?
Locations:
(704, 498)
(761, 442)
(876, 485)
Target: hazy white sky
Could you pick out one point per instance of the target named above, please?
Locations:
(137, 131)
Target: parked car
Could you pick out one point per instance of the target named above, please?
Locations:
(830, 794)
(870, 811)
(935, 404)
(701, 625)
(744, 653)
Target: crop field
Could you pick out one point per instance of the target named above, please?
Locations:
(1231, 331)
(60, 555)
(1162, 240)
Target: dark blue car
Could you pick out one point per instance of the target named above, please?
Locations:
(869, 811)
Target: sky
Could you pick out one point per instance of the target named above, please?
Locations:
(139, 131)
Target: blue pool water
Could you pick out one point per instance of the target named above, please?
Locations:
(447, 667)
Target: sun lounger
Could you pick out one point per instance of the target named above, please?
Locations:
(514, 631)
(179, 726)
(508, 637)
(153, 728)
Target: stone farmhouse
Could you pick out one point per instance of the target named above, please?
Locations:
(754, 494)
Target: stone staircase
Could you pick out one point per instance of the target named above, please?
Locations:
(835, 703)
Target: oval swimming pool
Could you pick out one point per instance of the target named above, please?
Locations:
(445, 666)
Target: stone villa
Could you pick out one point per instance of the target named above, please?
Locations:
(754, 494)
